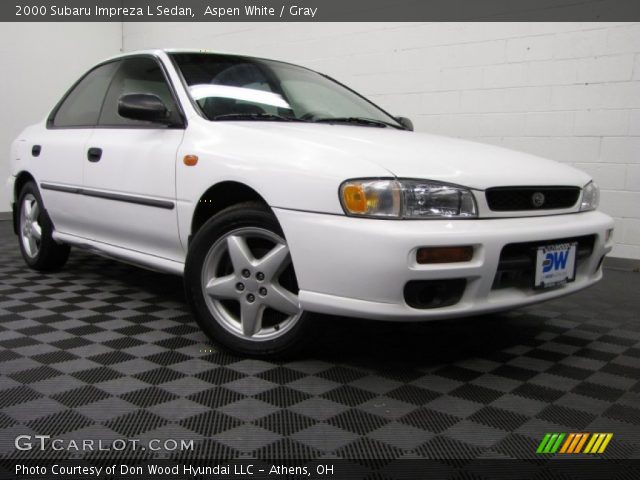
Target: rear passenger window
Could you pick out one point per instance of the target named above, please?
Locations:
(137, 75)
(81, 107)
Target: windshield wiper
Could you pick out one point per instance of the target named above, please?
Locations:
(256, 116)
(358, 121)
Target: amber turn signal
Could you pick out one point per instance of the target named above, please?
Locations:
(355, 198)
(427, 255)
(190, 160)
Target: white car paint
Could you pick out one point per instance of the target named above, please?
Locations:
(344, 265)
(374, 259)
(144, 162)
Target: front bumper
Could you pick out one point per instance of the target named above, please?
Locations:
(359, 267)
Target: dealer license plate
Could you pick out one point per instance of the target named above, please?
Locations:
(555, 265)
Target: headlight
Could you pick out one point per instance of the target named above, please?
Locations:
(406, 199)
(379, 198)
(590, 197)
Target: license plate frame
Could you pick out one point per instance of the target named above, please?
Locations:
(555, 265)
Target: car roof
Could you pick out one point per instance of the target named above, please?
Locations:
(157, 51)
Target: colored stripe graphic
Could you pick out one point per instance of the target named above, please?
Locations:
(550, 443)
(599, 443)
(605, 442)
(543, 443)
(573, 443)
(593, 439)
(556, 446)
(567, 443)
(577, 439)
(582, 442)
(596, 446)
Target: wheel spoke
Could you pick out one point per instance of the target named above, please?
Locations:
(282, 300)
(33, 247)
(36, 231)
(222, 287)
(28, 208)
(35, 211)
(239, 252)
(274, 262)
(250, 318)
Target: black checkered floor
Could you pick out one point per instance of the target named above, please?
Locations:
(102, 350)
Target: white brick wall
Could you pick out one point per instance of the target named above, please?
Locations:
(568, 91)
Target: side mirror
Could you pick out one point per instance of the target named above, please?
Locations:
(143, 106)
(405, 122)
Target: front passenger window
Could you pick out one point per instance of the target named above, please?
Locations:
(137, 75)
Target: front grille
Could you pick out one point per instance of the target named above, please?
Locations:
(507, 199)
(516, 268)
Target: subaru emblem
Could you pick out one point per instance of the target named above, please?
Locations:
(537, 199)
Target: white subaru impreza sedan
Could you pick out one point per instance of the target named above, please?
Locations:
(277, 191)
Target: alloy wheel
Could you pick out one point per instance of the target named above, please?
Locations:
(30, 228)
(249, 284)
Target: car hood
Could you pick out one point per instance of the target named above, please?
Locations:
(418, 155)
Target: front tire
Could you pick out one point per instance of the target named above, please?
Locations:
(241, 285)
(39, 250)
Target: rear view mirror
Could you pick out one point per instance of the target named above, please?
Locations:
(405, 122)
(143, 106)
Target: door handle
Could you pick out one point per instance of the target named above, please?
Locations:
(94, 154)
(35, 150)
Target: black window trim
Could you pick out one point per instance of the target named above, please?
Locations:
(183, 125)
(185, 85)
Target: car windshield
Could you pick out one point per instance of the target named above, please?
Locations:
(229, 87)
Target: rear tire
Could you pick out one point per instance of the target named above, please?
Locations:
(241, 285)
(39, 250)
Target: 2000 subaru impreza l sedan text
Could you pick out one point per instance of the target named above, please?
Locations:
(277, 191)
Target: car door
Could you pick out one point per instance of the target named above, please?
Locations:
(129, 169)
(58, 151)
